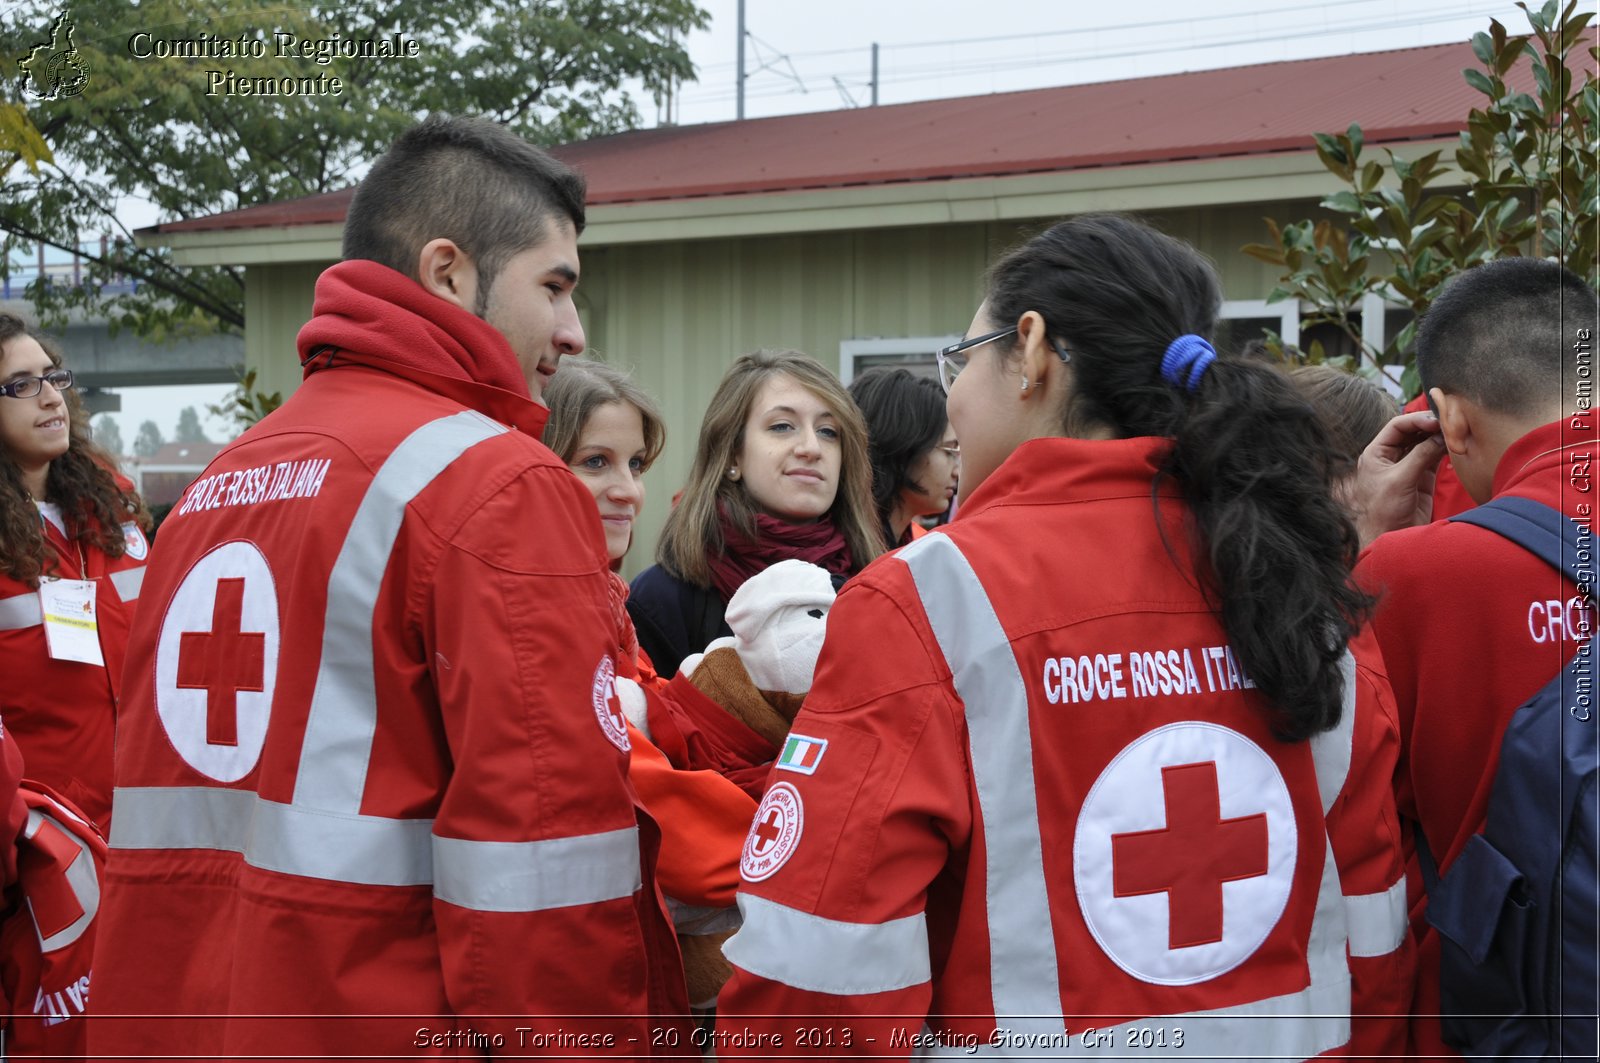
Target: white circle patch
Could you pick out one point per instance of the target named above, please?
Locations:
(608, 706)
(774, 833)
(134, 542)
(217, 661)
(1184, 853)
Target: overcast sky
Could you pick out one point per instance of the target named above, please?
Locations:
(816, 56)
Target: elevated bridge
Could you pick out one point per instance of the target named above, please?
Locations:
(102, 360)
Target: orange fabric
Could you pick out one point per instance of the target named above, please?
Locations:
(703, 819)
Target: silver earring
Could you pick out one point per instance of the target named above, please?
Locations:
(733, 474)
(1024, 383)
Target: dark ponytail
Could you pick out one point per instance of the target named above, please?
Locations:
(1255, 465)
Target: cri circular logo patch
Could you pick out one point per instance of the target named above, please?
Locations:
(608, 707)
(133, 541)
(774, 834)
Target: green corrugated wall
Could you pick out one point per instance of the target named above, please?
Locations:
(679, 313)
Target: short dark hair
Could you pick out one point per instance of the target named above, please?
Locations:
(906, 418)
(1497, 334)
(469, 180)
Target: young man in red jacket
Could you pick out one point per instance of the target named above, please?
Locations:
(1471, 625)
(372, 792)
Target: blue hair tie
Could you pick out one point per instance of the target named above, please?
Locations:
(1186, 361)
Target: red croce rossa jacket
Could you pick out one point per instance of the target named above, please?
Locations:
(372, 774)
(1046, 815)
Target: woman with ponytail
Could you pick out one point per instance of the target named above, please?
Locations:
(72, 551)
(1107, 751)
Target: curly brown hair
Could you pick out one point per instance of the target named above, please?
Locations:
(82, 482)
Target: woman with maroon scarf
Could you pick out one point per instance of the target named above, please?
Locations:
(780, 472)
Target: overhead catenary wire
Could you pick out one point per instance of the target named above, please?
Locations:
(982, 65)
(1074, 32)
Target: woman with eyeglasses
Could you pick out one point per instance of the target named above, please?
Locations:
(915, 457)
(72, 553)
(1103, 765)
(780, 471)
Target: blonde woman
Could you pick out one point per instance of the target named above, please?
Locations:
(781, 471)
(609, 432)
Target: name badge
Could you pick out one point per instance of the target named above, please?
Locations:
(70, 628)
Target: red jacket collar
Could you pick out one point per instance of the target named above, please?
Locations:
(369, 314)
(1055, 470)
(1541, 449)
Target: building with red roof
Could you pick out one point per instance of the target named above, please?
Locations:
(861, 235)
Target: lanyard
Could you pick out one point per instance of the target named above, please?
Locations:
(44, 530)
(71, 626)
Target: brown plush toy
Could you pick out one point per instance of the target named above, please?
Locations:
(759, 677)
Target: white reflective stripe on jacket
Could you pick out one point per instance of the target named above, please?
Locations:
(1023, 960)
(322, 833)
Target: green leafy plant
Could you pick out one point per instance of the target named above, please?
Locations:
(244, 405)
(1524, 182)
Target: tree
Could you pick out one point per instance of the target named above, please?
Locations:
(154, 126)
(189, 430)
(107, 434)
(1529, 167)
(20, 141)
(148, 441)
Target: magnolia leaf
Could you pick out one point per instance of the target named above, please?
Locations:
(1343, 202)
(1480, 81)
(1271, 254)
(1410, 382)
(1483, 48)
(1509, 54)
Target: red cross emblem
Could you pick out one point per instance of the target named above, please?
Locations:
(608, 705)
(614, 708)
(1192, 856)
(774, 833)
(222, 662)
(767, 831)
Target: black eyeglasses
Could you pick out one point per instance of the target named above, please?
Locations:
(952, 360)
(29, 386)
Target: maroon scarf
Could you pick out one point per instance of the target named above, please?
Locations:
(776, 540)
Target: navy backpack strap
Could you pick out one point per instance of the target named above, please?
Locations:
(1534, 526)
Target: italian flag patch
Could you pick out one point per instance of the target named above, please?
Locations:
(802, 754)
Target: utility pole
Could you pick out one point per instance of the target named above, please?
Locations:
(874, 71)
(740, 74)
